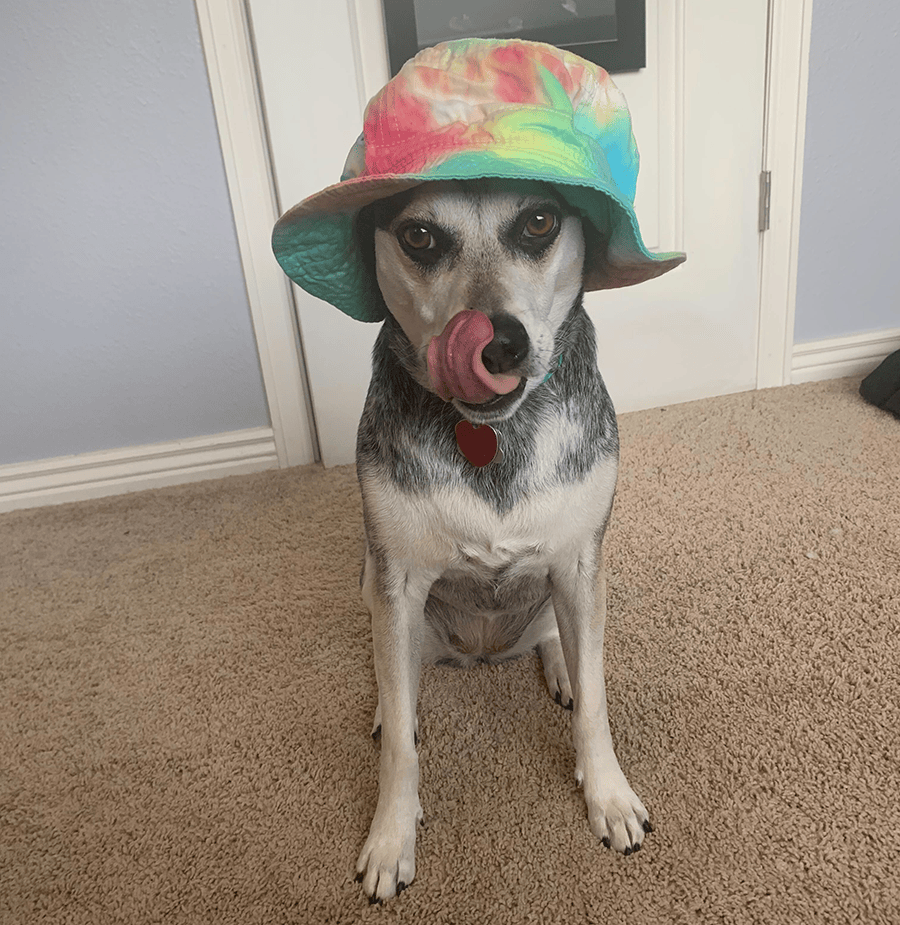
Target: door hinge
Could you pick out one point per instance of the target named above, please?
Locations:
(765, 198)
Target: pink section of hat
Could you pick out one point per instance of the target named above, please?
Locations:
(455, 363)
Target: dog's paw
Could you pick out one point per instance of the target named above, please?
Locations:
(387, 863)
(616, 815)
(555, 672)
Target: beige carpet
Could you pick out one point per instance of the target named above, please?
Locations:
(187, 692)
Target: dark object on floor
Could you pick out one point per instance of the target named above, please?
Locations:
(882, 386)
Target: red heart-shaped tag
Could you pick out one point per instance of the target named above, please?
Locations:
(479, 443)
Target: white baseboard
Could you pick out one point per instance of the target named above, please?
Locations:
(112, 472)
(853, 355)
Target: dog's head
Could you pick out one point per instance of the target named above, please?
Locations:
(511, 252)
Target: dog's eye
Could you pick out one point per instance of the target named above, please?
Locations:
(417, 238)
(540, 225)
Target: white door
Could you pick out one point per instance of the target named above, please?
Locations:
(698, 119)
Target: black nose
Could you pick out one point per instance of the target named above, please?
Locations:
(509, 346)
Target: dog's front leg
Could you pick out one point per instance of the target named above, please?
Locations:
(615, 814)
(396, 599)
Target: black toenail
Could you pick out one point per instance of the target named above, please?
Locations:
(627, 852)
(376, 734)
(637, 847)
(401, 886)
(647, 827)
(606, 843)
(358, 878)
(374, 901)
(571, 704)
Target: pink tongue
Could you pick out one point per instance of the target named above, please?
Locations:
(455, 364)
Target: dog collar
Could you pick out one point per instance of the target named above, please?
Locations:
(552, 371)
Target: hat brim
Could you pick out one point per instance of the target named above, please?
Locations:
(315, 243)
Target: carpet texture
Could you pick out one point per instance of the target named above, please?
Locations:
(187, 693)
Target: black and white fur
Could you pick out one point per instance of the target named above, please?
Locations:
(466, 564)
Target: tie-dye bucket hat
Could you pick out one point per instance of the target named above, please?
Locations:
(477, 108)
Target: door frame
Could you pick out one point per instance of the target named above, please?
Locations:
(230, 63)
(784, 134)
(228, 47)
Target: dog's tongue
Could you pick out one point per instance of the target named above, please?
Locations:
(455, 364)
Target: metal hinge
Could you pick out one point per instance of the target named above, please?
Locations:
(765, 198)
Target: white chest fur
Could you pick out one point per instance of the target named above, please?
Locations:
(452, 528)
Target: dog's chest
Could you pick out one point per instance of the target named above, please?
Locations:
(482, 550)
(451, 529)
(495, 582)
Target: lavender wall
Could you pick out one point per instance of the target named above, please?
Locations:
(848, 280)
(123, 315)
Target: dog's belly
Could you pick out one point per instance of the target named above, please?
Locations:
(486, 614)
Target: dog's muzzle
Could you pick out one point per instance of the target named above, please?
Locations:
(469, 360)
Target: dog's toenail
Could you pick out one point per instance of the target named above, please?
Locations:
(647, 827)
(627, 852)
(401, 886)
(637, 847)
(607, 843)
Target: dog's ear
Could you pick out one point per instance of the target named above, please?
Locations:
(595, 262)
(378, 214)
(367, 220)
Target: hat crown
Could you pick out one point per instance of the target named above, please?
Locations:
(511, 98)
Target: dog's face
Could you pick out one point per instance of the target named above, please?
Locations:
(512, 251)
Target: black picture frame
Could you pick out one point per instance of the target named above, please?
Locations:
(627, 52)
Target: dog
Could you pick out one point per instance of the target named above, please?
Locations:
(482, 561)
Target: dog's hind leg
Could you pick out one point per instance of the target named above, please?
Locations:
(376, 725)
(616, 815)
(554, 664)
(396, 600)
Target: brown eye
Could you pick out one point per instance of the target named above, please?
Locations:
(540, 224)
(417, 237)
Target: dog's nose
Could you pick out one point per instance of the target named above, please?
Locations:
(509, 346)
